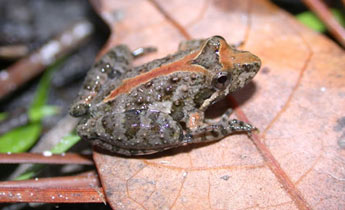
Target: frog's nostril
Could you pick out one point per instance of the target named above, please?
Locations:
(257, 65)
(248, 67)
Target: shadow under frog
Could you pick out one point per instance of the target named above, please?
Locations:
(161, 105)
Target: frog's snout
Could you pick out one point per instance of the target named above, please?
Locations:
(256, 63)
(251, 66)
(245, 70)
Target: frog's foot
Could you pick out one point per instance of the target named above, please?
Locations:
(240, 126)
(143, 51)
(221, 129)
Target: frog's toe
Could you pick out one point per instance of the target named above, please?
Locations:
(79, 109)
(238, 126)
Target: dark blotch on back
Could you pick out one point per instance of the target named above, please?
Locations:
(154, 126)
(108, 124)
(132, 123)
(177, 110)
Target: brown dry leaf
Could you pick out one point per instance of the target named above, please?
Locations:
(297, 100)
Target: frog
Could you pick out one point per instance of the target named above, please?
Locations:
(140, 110)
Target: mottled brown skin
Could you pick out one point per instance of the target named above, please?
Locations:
(161, 104)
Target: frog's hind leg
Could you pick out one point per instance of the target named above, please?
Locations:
(122, 151)
(134, 132)
(113, 64)
(219, 130)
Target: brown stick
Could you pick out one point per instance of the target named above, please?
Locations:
(32, 65)
(13, 51)
(84, 188)
(83, 180)
(56, 195)
(326, 16)
(68, 158)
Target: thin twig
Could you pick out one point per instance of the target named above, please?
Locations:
(326, 16)
(84, 188)
(13, 51)
(32, 65)
(51, 195)
(82, 180)
(68, 158)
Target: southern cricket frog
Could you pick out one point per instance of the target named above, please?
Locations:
(160, 105)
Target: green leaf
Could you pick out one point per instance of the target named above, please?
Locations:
(42, 91)
(339, 16)
(312, 21)
(43, 87)
(30, 172)
(36, 114)
(20, 139)
(65, 144)
(3, 116)
(23, 138)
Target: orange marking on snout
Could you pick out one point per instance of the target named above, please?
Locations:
(228, 56)
(225, 55)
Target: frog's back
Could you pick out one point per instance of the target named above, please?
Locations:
(127, 72)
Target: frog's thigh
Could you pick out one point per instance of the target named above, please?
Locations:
(142, 130)
(112, 65)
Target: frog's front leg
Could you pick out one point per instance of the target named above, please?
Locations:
(218, 130)
(112, 65)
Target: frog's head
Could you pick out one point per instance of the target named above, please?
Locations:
(229, 69)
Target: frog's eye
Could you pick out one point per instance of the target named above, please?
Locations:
(221, 80)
